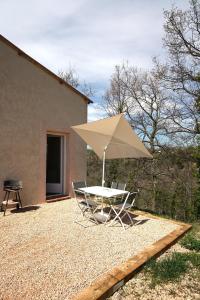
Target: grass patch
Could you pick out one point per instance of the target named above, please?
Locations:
(171, 268)
(191, 242)
(196, 229)
(193, 258)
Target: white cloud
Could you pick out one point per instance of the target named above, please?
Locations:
(91, 35)
(95, 112)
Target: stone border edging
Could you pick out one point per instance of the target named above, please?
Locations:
(112, 280)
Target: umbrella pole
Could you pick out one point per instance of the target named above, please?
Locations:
(103, 173)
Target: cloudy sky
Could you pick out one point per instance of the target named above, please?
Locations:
(91, 36)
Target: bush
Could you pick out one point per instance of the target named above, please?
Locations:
(169, 185)
(194, 259)
(171, 268)
(190, 242)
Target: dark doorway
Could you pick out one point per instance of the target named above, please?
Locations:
(54, 165)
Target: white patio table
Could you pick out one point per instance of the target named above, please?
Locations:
(103, 192)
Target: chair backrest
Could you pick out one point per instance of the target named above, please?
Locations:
(121, 186)
(114, 185)
(78, 184)
(130, 198)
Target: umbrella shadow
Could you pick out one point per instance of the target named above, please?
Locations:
(133, 221)
(126, 219)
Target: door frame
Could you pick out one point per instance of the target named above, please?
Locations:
(63, 159)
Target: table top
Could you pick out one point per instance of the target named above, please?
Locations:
(103, 191)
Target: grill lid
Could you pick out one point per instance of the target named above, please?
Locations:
(12, 184)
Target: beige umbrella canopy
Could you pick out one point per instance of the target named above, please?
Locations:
(112, 138)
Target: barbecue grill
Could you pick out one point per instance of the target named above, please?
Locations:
(12, 186)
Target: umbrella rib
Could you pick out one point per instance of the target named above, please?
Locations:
(126, 143)
(80, 129)
(114, 130)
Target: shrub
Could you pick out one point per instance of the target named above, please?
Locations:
(171, 268)
(190, 242)
(194, 259)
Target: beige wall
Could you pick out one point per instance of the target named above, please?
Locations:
(33, 103)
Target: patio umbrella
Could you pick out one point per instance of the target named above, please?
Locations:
(112, 138)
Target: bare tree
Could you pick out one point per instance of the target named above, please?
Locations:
(140, 96)
(163, 105)
(115, 100)
(182, 70)
(71, 77)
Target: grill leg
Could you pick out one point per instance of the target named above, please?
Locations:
(19, 198)
(3, 201)
(8, 194)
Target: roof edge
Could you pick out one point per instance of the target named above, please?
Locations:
(43, 68)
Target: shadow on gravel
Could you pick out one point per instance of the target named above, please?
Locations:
(25, 209)
(134, 221)
(126, 219)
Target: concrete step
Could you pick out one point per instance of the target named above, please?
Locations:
(56, 198)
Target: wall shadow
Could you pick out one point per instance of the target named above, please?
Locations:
(25, 209)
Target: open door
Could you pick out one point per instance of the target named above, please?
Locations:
(54, 165)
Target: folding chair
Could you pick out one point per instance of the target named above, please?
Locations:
(87, 206)
(121, 210)
(79, 195)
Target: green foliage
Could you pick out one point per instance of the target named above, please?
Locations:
(194, 259)
(172, 267)
(190, 242)
(169, 185)
(196, 229)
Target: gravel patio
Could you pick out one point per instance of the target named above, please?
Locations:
(45, 255)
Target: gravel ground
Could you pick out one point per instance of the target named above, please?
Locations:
(45, 255)
(188, 288)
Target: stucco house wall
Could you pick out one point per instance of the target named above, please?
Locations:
(33, 103)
